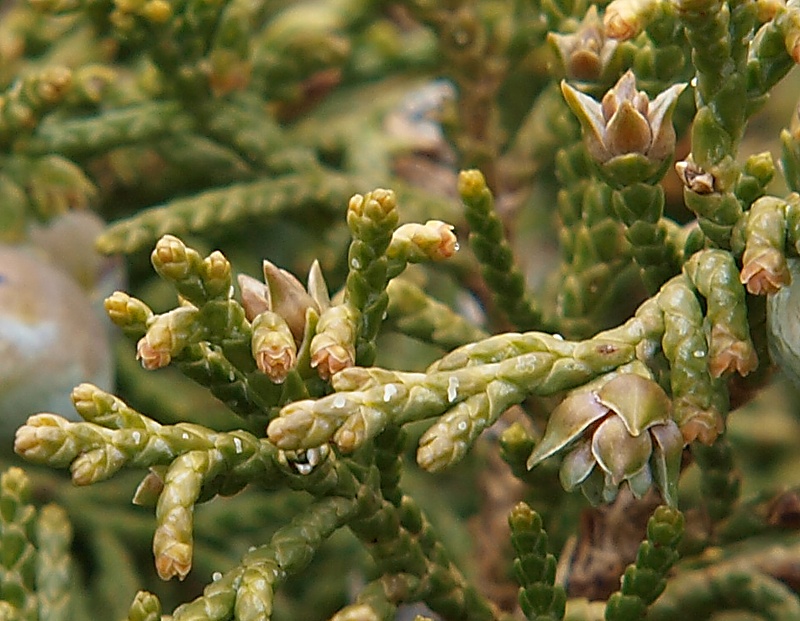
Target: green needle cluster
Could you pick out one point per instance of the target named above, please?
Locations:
(37, 567)
(402, 431)
(493, 251)
(534, 567)
(645, 580)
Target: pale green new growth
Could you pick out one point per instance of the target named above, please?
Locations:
(511, 294)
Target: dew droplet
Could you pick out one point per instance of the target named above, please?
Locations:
(456, 247)
(462, 425)
(699, 353)
(237, 445)
(137, 437)
(389, 391)
(452, 389)
(558, 337)
(304, 469)
(355, 263)
(339, 401)
(184, 436)
(312, 457)
(216, 576)
(231, 375)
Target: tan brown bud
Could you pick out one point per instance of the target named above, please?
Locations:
(704, 427)
(152, 356)
(330, 359)
(166, 336)
(275, 362)
(288, 298)
(729, 353)
(374, 205)
(157, 11)
(768, 9)
(216, 266)
(255, 296)
(764, 271)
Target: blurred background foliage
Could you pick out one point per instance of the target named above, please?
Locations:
(245, 126)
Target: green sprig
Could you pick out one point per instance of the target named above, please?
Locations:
(17, 536)
(640, 206)
(224, 206)
(247, 591)
(534, 567)
(716, 276)
(513, 365)
(697, 398)
(413, 312)
(488, 241)
(720, 482)
(54, 564)
(723, 589)
(86, 137)
(645, 580)
(371, 605)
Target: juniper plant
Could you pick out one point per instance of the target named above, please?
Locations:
(421, 420)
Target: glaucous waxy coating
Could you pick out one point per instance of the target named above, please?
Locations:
(51, 339)
(783, 325)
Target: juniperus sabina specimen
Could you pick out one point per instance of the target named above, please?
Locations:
(581, 334)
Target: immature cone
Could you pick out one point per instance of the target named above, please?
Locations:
(625, 428)
(333, 347)
(273, 346)
(166, 337)
(624, 19)
(376, 207)
(216, 272)
(586, 52)
(127, 312)
(432, 241)
(145, 607)
(631, 137)
(173, 259)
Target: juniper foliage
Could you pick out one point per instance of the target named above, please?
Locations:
(589, 377)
